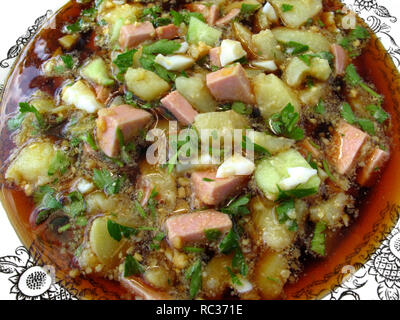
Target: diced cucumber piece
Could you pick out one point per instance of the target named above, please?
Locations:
(270, 172)
(97, 72)
(116, 30)
(200, 31)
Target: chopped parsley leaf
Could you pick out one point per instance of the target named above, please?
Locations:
(212, 234)
(318, 240)
(132, 267)
(105, 181)
(59, 164)
(286, 7)
(117, 231)
(238, 207)
(285, 123)
(194, 273)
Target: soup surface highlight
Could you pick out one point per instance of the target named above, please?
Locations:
(213, 150)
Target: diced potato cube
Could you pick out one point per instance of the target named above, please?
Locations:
(244, 35)
(330, 211)
(44, 104)
(311, 96)
(297, 71)
(271, 274)
(216, 277)
(270, 172)
(163, 182)
(301, 11)
(158, 277)
(273, 144)
(224, 122)
(98, 203)
(266, 46)
(272, 95)
(81, 96)
(69, 40)
(195, 90)
(102, 244)
(316, 41)
(272, 233)
(32, 164)
(146, 84)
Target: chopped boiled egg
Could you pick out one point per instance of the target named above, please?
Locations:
(81, 96)
(268, 65)
(231, 51)
(237, 165)
(175, 62)
(183, 48)
(269, 11)
(244, 286)
(297, 175)
(84, 186)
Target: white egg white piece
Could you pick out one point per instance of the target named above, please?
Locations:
(183, 48)
(244, 287)
(231, 51)
(84, 186)
(267, 65)
(174, 63)
(269, 10)
(297, 175)
(81, 96)
(237, 165)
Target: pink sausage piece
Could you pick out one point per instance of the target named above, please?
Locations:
(169, 32)
(215, 54)
(179, 107)
(373, 165)
(345, 148)
(134, 34)
(191, 227)
(130, 120)
(341, 58)
(230, 84)
(213, 191)
(213, 15)
(228, 18)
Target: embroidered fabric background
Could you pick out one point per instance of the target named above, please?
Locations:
(23, 277)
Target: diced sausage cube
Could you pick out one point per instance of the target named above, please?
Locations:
(215, 54)
(179, 107)
(345, 147)
(341, 58)
(191, 227)
(230, 84)
(169, 32)
(133, 34)
(213, 191)
(228, 18)
(213, 15)
(102, 93)
(137, 287)
(128, 119)
(306, 147)
(376, 161)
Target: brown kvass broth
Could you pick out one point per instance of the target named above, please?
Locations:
(348, 246)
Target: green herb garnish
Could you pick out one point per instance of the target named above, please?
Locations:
(132, 267)
(117, 231)
(59, 164)
(105, 181)
(318, 240)
(285, 123)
